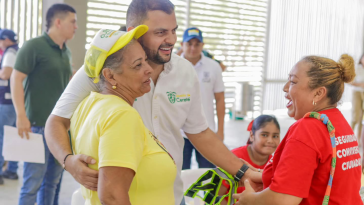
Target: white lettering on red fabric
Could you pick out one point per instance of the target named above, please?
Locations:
(347, 152)
(345, 139)
(351, 164)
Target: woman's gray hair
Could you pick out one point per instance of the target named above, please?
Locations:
(114, 62)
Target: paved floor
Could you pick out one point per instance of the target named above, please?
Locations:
(235, 136)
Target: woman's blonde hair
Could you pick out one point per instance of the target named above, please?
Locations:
(325, 72)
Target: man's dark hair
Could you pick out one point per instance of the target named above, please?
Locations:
(123, 28)
(57, 11)
(138, 10)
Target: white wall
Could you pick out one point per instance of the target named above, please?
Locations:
(309, 27)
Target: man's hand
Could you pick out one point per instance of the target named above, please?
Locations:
(243, 198)
(76, 165)
(23, 125)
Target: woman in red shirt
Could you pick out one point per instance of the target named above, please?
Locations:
(263, 141)
(300, 170)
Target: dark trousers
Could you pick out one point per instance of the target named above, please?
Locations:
(187, 155)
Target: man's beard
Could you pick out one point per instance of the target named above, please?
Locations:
(154, 55)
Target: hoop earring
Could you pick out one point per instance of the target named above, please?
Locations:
(313, 102)
(114, 87)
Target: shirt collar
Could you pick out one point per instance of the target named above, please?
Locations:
(52, 43)
(200, 62)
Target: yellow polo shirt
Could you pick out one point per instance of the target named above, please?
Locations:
(108, 129)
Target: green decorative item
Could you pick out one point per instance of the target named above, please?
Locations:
(212, 187)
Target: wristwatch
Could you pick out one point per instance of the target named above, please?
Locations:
(241, 172)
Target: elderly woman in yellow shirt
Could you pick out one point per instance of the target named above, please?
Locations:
(134, 167)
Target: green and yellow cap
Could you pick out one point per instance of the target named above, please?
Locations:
(105, 43)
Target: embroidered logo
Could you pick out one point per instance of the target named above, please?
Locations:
(173, 97)
(206, 77)
(193, 32)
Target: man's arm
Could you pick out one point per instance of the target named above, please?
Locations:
(206, 141)
(17, 94)
(58, 142)
(208, 144)
(5, 73)
(220, 111)
(58, 124)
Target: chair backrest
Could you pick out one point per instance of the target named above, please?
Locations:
(189, 177)
(77, 198)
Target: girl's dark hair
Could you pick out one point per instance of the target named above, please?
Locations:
(261, 121)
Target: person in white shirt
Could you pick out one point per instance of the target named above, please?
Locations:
(173, 103)
(358, 98)
(212, 87)
(8, 43)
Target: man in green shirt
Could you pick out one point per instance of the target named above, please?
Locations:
(41, 73)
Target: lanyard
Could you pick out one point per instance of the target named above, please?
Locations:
(324, 119)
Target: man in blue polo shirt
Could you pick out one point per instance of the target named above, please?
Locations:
(8, 43)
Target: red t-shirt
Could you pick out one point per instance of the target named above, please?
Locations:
(302, 162)
(242, 153)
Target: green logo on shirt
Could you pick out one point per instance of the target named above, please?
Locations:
(173, 97)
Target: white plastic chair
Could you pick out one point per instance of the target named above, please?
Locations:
(189, 177)
(77, 198)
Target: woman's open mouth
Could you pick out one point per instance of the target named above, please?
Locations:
(147, 81)
(289, 100)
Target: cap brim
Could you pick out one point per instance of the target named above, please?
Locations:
(136, 33)
(191, 37)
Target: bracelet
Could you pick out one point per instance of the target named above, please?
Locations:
(64, 161)
(241, 172)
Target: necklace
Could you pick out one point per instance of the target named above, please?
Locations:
(326, 108)
(160, 144)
